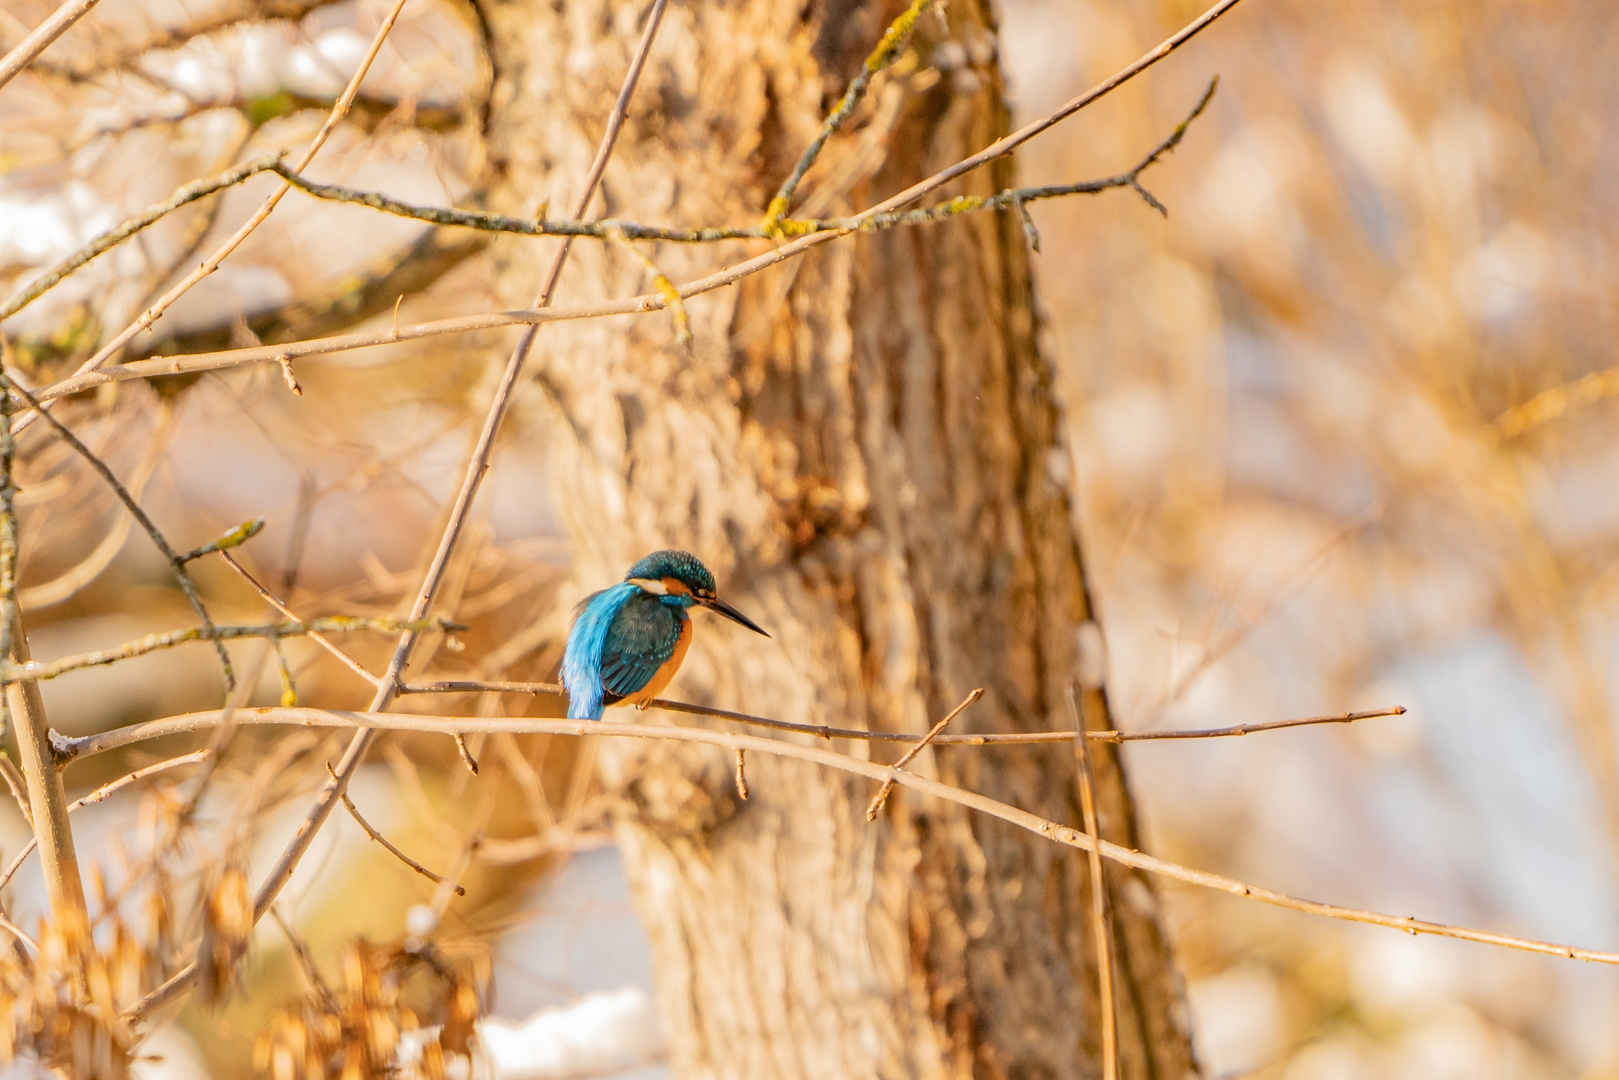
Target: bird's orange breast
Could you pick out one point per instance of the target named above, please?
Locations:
(655, 687)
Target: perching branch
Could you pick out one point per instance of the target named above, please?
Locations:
(464, 686)
(730, 741)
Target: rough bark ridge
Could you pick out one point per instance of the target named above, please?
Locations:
(864, 446)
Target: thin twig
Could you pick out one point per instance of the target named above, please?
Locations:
(306, 963)
(660, 282)
(106, 791)
(314, 635)
(1101, 928)
(881, 797)
(45, 33)
(234, 538)
(176, 562)
(189, 193)
(1005, 145)
(35, 670)
(887, 50)
(18, 786)
(159, 38)
(354, 812)
(211, 263)
(70, 582)
(814, 755)
(463, 686)
(742, 775)
(17, 932)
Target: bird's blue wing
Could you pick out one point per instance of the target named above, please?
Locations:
(640, 640)
(582, 661)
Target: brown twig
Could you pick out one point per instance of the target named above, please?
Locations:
(70, 582)
(814, 755)
(742, 775)
(314, 635)
(888, 785)
(1005, 145)
(19, 787)
(45, 33)
(102, 793)
(462, 686)
(354, 812)
(1101, 928)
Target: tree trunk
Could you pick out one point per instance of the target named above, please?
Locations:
(864, 446)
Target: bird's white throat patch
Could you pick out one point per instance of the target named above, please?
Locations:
(651, 585)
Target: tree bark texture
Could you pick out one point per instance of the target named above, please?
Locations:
(864, 446)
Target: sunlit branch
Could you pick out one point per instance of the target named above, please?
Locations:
(754, 744)
(465, 686)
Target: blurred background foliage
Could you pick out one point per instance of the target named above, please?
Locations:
(1341, 432)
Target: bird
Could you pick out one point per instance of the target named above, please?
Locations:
(627, 641)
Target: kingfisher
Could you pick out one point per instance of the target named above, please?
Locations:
(627, 641)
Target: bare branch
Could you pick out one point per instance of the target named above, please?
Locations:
(35, 671)
(354, 812)
(810, 232)
(187, 585)
(314, 635)
(463, 686)
(1101, 927)
(183, 196)
(104, 792)
(1005, 145)
(347, 302)
(887, 50)
(1051, 830)
(37, 42)
(881, 797)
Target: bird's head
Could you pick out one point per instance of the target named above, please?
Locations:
(681, 580)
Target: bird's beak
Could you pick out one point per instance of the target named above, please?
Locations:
(716, 604)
